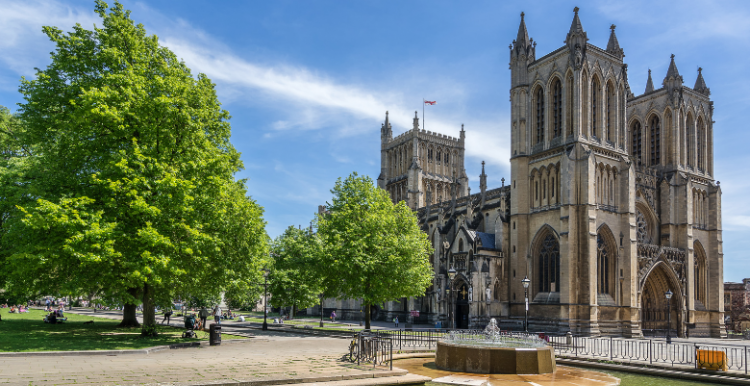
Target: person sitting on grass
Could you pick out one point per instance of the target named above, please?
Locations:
(190, 322)
(51, 318)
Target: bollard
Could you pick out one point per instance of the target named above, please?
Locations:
(569, 338)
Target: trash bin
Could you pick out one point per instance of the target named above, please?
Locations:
(214, 334)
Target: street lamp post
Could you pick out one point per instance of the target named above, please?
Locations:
(265, 299)
(669, 315)
(526, 283)
(452, 276)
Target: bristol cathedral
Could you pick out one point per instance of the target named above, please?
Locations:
(611, 203)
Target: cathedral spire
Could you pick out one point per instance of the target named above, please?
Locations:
(672, 71)
(576, 41)
(700, 84)
(649, 83)
(522, 38)
(613, 46)
(673, 80)
(386, 131)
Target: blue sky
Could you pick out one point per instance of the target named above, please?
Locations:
(308, 82)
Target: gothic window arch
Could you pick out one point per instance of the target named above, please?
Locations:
(557, 108)
(569, 102)
(604, 265)
(611, 109)
(549, 265)
(655, 143)
(595, 88)
(496, 291)
(539, 122)
(699, 272)
(700, 144)
(637, 144)
(460, 245)
(690, 140)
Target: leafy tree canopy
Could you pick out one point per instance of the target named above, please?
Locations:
(293, 280)
(131, 181)
(374, 249)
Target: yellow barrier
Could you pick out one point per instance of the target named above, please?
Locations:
(711, 360)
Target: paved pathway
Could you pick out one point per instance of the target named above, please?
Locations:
(270, 355)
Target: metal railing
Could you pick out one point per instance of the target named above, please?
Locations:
(416, 338)
(649, 351)
(371, 348)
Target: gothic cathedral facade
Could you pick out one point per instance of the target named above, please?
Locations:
(611, 203)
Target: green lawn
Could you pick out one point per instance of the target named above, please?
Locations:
(27, 332)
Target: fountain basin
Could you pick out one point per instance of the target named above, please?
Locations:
(485, 359)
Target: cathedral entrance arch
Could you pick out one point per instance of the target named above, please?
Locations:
(654, 303)
(461, 315)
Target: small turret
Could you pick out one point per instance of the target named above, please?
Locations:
(673, 80)
(649, 83)
(613, 46)
(416, 121)
(522, 53)
(576, 41)
(386, 131)
(700, 84)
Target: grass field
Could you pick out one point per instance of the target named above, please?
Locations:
(27, 332)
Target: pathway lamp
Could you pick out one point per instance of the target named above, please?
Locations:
(526, 283)
(321, 310)
(668, 295)
(452, 276)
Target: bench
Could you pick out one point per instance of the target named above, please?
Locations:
(711, 360)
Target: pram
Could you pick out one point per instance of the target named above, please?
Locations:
(190, 325)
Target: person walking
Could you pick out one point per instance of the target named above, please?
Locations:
(395, 320)
(217, 314)
(203, 314)
(167, 314)
(333, 316)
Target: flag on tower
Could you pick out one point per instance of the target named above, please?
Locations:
(429, 102)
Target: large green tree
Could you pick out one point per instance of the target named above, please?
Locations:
(374, 249)
(132, 177)
(293, 280)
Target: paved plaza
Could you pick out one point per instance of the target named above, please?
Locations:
(268, 356)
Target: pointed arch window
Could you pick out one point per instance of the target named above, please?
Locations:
(539, 115)
(700, 141)
(557, 108)
(655, 141)
(569, 88)
(496, 291)
(594, 106)
(637, 145)
(549, 265)
(610, 112)
(699, 263)
(602, 265)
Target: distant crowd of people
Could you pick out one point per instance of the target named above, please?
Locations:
(16, 308)
(198, 321)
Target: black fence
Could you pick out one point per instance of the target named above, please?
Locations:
(649, 351)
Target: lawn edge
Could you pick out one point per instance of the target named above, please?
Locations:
(115, 352)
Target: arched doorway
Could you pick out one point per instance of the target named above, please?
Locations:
(654, 303)
(462, 305)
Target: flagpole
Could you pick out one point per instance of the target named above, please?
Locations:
(423, 114)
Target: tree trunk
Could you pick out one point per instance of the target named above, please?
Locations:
(149, 314)
(129, 318)
(367, 316)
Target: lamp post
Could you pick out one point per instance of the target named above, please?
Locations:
(526, 283)
(265, 299)
(669, 315)
(452, 275)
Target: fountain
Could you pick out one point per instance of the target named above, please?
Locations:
(494, 352)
